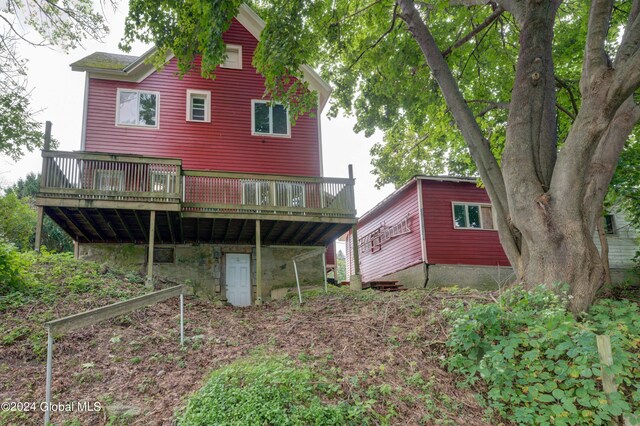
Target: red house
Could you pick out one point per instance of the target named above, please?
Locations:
(432, 231)
(204, 179)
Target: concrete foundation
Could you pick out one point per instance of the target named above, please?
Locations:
(202, 266)
(412, 277)
(478, 277)
(355, 282)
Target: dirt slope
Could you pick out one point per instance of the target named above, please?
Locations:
(381, 346)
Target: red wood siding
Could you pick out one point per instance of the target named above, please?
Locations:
(331, 254)
(446, 245)
(397, 253)
(225, 144)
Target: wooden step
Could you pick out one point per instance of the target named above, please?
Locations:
(385, 285)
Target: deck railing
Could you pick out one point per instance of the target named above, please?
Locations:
(82, 175)
(267, 194)
(110, 177)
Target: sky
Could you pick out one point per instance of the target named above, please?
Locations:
(58, 93)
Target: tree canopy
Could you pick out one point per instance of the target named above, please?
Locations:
(44, 23)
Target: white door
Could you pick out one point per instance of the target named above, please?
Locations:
(238, 279)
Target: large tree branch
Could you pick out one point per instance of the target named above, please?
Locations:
(515, 7)
(478, 146)
(596, 61)
(496, 13)
(626, 80)
(605, 157)
(374, 44)
(631, 36)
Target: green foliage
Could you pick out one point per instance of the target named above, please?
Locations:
(13, 278)
(18, 130)
(18, 218)
(541, 365)
(49, 276)
(17, 221)
(272, 390)
(27, 187)
(36, 288)
(341, 267)
(63, 23)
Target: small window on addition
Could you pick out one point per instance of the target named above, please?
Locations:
(199, 105)
(609, 224)
(472, 216)
(163, 255)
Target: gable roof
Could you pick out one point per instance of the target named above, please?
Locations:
(136, 68)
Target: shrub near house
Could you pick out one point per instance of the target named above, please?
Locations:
(542, 365)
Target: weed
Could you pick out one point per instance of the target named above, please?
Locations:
(268, 390)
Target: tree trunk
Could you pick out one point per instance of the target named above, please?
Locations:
(547, 202)
(567, 255)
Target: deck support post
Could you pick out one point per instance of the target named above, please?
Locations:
(39, 229)
(324, 270)
(258, 265)
(152, 226)
(355, 279)
(76, 249)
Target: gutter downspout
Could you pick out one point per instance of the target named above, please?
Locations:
(423, 240)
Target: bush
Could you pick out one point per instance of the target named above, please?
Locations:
(541, 365)
(270, 390)
(13, 269)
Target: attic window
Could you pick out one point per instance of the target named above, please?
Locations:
(472, 216)
(199, 105)
(234, 57)
(137, 108)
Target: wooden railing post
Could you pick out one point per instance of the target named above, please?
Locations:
(47, 136)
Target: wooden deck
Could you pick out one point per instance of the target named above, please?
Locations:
(98, 197)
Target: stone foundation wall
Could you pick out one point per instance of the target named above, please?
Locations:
(203, 265)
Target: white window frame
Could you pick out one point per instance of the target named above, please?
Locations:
(97, 179)
(270, 134)
(238, 66)
(466, 204)
(143, 126)
(191, 93)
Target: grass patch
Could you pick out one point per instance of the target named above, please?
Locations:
(266, 389)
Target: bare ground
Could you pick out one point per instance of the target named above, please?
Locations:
(367, 339)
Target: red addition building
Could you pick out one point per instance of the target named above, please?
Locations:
(432, 231)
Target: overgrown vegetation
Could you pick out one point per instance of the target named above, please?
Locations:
(18, 218)
(58, 282)
(270, 390)
(541, 364)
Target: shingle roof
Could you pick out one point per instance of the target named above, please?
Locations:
(105, 61)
